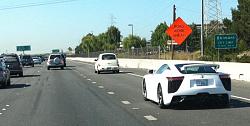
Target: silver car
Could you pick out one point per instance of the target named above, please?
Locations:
(55, 61)
(4, 74)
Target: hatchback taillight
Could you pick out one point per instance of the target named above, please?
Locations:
(174, 83)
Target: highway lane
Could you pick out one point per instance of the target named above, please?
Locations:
(77, 96)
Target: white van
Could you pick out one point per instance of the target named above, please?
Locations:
(106, 62)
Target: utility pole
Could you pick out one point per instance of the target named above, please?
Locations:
(112, 20)
(202, 28)
(174, 18)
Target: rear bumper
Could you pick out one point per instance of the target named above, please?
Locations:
(27, 63)
(212, 98)
(15, 72)
(108, 68)
(55, 66)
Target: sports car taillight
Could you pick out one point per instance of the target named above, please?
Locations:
(226, 81)
(174, 83)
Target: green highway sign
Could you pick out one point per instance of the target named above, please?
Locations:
(227, 41)
(55, 51)
(23, 48)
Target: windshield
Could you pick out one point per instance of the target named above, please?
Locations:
(11, 59)
(54, 56)
(108, 57)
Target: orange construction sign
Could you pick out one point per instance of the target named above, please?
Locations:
(179, 31)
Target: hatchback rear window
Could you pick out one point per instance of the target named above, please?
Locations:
(54, 56)
(108, 57)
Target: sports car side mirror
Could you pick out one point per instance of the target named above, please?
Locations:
(95, 59)
(150, 71)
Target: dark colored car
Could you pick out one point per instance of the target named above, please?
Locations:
(27, 60)
(4, 74)
(14, 64)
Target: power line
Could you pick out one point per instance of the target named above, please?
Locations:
(35, 4)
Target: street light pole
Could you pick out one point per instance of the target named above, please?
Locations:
(132, 28)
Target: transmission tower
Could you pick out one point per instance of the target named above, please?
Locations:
(212, 17)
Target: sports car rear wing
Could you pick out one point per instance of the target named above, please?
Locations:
(188, 67)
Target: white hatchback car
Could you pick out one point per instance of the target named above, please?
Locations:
(106, 62)
(175, 83)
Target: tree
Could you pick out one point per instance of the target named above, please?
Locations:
(113, 36)
(135, 41)
(70, 49)
(159, 36)
(241, 20)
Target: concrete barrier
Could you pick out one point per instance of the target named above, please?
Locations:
(238, 71)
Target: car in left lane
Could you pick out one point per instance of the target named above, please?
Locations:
(14, 63)
(4, 74)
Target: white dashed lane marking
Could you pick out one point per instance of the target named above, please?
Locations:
(150, 118)
(89, 79)
(135, 108)
(100, 87)
(7, 105)
(93, 82)
(111, 93)
(3, 109)
(126, 102)
(1, 113)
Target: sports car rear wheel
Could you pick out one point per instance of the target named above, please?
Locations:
(144, 90)
(160, 97)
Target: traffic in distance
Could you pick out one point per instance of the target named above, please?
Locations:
(12, 64)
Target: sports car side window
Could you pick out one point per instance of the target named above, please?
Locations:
(162, 69)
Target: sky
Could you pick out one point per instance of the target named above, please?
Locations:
(62, 25)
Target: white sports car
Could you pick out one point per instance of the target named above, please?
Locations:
(175, 83)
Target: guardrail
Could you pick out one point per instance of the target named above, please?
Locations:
(237, 71)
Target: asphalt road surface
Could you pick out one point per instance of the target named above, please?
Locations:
(77, 96)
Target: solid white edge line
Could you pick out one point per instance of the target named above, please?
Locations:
(242, 98)
(135, 75)
(150, 118)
